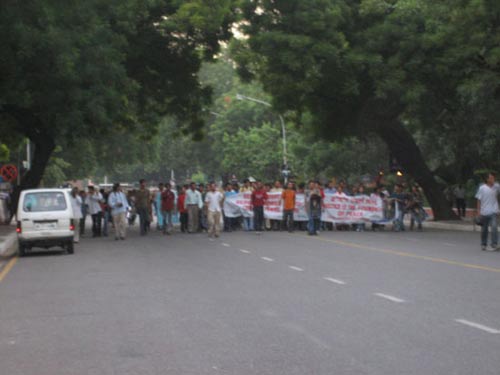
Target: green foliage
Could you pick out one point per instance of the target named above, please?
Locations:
(4, 153)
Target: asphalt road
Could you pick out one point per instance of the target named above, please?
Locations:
(339, 303)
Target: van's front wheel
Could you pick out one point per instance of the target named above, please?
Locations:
(70, 248)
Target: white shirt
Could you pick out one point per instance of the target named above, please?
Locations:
(214, 199)
(488, 197)
(93, 202)
(76, 205)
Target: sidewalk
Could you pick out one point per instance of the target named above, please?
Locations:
(8, 240)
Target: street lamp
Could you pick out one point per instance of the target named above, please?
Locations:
(283, 131)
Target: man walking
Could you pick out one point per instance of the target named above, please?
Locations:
(213, 202)
(259, 197)
(118, 203)
(193, 204)
(167, 208)
(487, 209)
(142, 205)
(76, 204)
(94, 203)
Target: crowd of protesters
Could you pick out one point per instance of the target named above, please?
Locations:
(199, 207)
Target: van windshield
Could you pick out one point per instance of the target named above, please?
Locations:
(44, 201)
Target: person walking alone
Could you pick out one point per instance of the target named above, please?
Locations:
(118, 203)
(213, 202)
(487, 211)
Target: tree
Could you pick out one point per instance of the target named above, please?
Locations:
(367, 66)
(93, 68)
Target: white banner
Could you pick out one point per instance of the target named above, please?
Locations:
(336, 208)
(238, 205)
(345, 209)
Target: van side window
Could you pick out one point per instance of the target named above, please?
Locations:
(44, 201)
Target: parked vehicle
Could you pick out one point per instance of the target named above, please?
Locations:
(45, 219)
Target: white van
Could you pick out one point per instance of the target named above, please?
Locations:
(44, 219)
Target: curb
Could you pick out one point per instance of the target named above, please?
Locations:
(9, 246)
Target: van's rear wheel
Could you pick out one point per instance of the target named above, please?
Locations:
(70, 248)
(22, 250)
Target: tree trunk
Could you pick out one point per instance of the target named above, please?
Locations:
(402, 145)
(43, 148)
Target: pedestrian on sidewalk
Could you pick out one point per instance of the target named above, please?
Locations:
(487, 211)
(213, 203)
(459, 193)
(76, 205)
(118, 203)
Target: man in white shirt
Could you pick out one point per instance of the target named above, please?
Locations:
(213, 201)
(76, 204)
(487, 209)
(193, 204)
(118, 203)
(94, 200)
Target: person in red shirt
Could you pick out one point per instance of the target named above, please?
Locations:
(182, 210)
(167, 208)
(259, 197)
(288, 200)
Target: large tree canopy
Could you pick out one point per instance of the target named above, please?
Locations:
(81, 69)
(373, 66)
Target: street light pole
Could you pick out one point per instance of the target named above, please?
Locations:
(283, 130)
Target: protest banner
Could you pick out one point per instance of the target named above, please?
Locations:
(345, 209)
(300, 213)
(273, 208)
(336, 208)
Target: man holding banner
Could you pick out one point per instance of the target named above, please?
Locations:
(288, 201)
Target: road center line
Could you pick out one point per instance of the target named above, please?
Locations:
(448, 244)
(226, 244)
(389, 298)
(478, 326)
(295, 268)
(335, 281)
(244, 251)
(267, 259)
(7, 268)
(408, 255)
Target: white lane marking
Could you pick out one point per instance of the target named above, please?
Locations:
(225, 244)
(244, 251)
(267, 259)
(448, 244)
(478, 326)
(390, 298)
(295, 268)
(336, 281)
